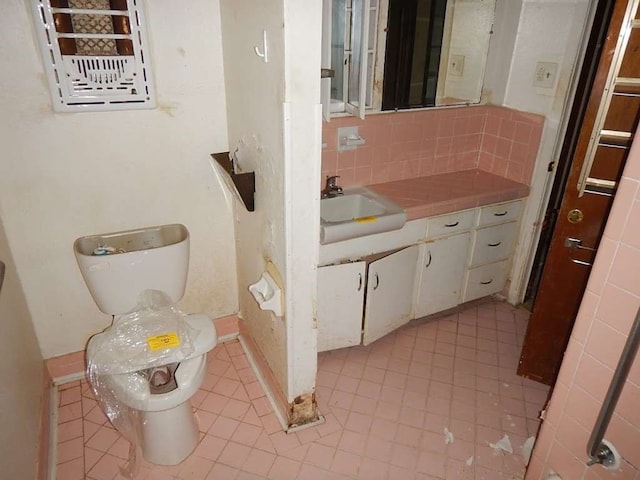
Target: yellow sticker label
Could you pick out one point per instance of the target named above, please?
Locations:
(166, 340)
(370, 219)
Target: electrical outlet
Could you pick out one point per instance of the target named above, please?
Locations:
(456, 65)
(545, 74)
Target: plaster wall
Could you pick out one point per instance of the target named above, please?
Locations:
(255, 94)
(63, 176)
(274, 120)
(525, 33)
(21, 372)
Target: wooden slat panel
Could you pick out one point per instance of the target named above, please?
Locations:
(631, 63)
(622, 115)
(608, 163)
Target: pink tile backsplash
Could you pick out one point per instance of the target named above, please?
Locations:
(405, 145)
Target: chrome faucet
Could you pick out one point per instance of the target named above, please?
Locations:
(332, 189)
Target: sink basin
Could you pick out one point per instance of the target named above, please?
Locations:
(357, 212)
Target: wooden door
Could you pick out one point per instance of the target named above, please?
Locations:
(605, 135)
(389, 297)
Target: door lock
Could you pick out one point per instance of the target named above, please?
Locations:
(576, 244)
(575, 216)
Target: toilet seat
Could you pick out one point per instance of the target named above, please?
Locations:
(189, 376)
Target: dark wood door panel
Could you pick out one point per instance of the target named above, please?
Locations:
(622, 115)
(630, 66)
(608, 162)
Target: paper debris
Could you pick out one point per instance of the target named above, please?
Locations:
(527, 448)
(502, 445)
(448, 436)
(469, 461)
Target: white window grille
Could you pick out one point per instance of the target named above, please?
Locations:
(95, 54)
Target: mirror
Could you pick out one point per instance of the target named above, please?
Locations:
(465, 49)
(413, 53)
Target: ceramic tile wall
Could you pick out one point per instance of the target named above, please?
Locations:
(601, 329)
(405, 145)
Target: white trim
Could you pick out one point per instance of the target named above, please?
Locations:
(52, 455)
(542, 180)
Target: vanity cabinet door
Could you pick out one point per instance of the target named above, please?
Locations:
(390, 286)
(441, 274)
(339, 305)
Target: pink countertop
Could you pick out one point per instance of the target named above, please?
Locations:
(450, 192)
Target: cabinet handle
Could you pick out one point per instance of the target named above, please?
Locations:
(486, 283)
(359, 282)
(377, 281)
(501, 214)
(428, 261)
(493, 244)
(452, 224)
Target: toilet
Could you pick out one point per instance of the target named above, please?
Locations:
(119, 270)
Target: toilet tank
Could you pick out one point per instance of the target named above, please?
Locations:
(118, 266)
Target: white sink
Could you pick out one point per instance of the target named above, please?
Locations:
(358, 212)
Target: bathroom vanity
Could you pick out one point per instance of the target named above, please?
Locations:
(371, 285)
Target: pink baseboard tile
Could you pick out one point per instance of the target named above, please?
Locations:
(65, 365)
(226, 326)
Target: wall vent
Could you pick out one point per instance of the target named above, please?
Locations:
(95, 54)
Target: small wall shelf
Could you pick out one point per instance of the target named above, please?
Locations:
(245, 183)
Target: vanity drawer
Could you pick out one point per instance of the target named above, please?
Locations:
(499, 213)
(485, 280)
(493, 243)
(450, 223)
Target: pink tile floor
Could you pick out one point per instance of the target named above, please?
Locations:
(386, 407)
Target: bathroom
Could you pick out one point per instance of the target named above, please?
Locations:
(68, 175)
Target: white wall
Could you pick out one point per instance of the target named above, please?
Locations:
(255, 92)
(63, 176)
(273, 121)
(20, 377)
(303, 140)
(525, 33)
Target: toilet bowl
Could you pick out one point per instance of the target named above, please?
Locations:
(119, 269)
(166, 425)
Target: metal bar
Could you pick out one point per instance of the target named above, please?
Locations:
(2, 269)
(90, 11)
(114, 36)
(597, 450)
